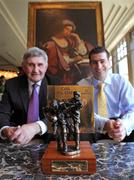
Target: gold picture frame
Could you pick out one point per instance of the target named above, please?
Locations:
(46, 25)
(91, 17)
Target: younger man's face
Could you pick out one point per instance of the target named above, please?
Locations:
(100, 65)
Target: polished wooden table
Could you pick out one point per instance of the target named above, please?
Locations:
(114, 161)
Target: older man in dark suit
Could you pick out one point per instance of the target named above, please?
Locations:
(14, 122)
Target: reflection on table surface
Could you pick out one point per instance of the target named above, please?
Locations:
(114, 161)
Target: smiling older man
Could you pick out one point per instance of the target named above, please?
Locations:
(14, 107)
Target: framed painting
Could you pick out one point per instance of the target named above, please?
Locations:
(67, 31)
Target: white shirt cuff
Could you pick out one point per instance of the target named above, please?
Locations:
(100, 123)
(43, 127)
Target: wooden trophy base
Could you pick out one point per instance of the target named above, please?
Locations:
(53, 162)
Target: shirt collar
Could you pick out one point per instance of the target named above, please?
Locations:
(107, 80)
(31, 83)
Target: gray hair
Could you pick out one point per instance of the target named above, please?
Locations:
(35, 52)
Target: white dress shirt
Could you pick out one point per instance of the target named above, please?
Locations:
(120, 100)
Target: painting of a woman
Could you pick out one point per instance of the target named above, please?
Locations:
(67, 53)
(67, 31)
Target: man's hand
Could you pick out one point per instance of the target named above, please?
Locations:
(115, 129)
(24, 133)
(8, 132)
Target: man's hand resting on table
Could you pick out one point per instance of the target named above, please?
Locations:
(115, 129)
(22, 134)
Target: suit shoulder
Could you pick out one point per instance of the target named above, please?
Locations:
(16, 80)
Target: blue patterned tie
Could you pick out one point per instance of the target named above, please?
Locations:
(33, 109)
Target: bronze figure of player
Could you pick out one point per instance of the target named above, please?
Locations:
(56, 115)
(65, 117)
(75, 106)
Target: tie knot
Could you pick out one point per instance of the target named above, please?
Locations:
(35, 86)
(101, 86)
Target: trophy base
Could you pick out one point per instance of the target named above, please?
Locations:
(53, 162)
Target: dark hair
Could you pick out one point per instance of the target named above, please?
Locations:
(98, 49)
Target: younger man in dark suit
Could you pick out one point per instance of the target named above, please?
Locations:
(14, 123)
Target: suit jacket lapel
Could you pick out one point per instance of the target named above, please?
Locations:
(43, 95)
(24, 93)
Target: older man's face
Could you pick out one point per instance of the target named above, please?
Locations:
(100, 65)
(35, 68)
